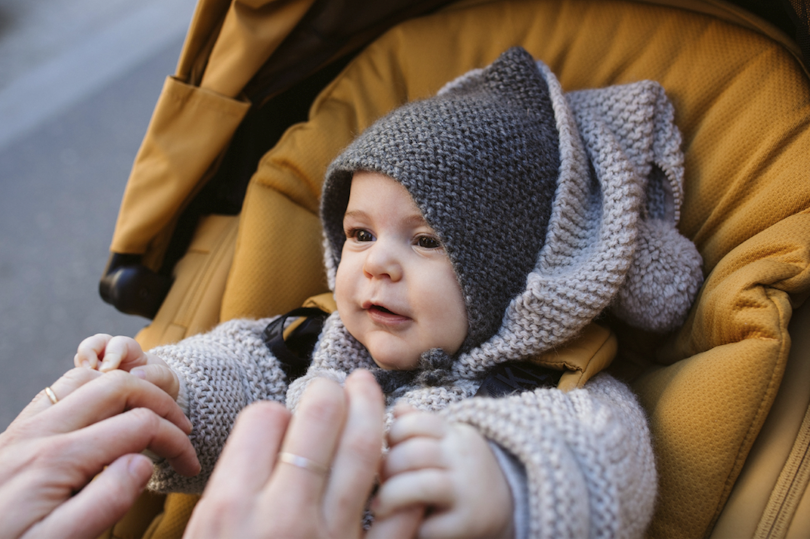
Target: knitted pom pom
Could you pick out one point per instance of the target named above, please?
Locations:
(662, 281)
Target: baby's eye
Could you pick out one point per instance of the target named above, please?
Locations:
(360, 234)
(427, 242)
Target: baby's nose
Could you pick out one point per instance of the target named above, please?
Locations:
(382, 262)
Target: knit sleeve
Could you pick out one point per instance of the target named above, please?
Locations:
(587, 453)
(222, 372)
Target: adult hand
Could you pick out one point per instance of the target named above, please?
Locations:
(51, 452)
(252, 494)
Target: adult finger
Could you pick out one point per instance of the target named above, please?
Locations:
(161, 376)
(131, 432)
(101, 503)
(106, 396)
(403, 524)
(47, 470)
(313, 434)
(430, 487)
(91, 350)
(417, 424)
(64, 386)
(243, 469)
(413, 454)
(403, 407)
(358, 454)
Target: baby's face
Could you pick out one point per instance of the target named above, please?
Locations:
(395, 288)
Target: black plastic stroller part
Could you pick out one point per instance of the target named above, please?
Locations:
(133, 288)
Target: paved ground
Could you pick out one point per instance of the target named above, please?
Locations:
(78, 81)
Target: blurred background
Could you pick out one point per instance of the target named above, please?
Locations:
(78, 81)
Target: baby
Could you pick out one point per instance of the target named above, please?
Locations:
(486, 225)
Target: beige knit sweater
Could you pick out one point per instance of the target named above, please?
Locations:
(587, 453)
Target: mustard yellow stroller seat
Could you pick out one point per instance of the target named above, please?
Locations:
(727, 394)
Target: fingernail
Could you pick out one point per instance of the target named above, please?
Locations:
(138, 372)
(138, 467)
(109, 361)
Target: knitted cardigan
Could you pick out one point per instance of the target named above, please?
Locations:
(587, 454)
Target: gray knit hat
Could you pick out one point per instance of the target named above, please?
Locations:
(481, 162)
(551, 207)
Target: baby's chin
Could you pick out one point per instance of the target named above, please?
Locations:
(395, 363)
(393, 359)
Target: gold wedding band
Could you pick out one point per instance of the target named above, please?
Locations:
(51, 395)
(302, 462)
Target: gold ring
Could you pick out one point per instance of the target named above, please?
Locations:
(51, 395)
(303, 462)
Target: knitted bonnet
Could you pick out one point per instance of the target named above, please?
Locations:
(542, 223)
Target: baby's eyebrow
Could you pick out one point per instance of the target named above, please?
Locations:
(354, 213)
(416, 219)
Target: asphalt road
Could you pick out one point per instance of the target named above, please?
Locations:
(72, 115)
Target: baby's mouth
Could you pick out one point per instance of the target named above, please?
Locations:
(382, 309)
(384, 314)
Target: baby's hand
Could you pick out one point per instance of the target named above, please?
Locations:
(107, 353)
(451, 469)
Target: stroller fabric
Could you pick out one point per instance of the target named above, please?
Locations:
(741, 102)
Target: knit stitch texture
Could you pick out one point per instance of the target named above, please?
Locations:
(587, 453)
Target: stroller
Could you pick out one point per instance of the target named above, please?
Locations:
(220, 215)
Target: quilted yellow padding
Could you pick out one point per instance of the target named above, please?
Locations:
(743, 105)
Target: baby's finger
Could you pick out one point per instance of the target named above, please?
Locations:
(91, 350)
(429, 487)
(417, 424)
(402, 524)
(122, 352)
(446, 524)
(161, 376)
(413, 454)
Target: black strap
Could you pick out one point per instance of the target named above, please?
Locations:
(516, 377)
(295, 354)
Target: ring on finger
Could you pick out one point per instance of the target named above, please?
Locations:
(51, 395)
(303, 462)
